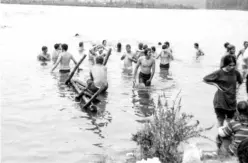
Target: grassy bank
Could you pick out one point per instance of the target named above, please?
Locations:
(120, 4)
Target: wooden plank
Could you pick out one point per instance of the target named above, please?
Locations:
(74, 70)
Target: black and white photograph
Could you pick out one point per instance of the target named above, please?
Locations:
(124, 81)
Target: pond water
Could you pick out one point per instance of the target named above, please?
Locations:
(41, 122)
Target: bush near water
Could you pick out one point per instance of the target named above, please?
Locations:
(169, 127)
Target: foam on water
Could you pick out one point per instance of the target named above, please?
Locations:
(40, 120)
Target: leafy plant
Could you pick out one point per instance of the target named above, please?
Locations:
(161, 136)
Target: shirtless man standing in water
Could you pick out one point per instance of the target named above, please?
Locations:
(147, 68)
(128, 58)
(64, 60)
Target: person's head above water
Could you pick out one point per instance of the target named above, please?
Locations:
(64, 47)
(164, 47)
(145, 47)
(159, 43)
(246, 44)
(57, 46)
(226, 44)
(167, 43)
(231, 49)
(242, 108)
(119, 47)
(44, 49)
(140, 46)
(128, 48)
(81, 44)
(242, 151)
(104, 42)
(196, 45)
(229, 62)
(99, 60)
(153, 48)
(147, 53)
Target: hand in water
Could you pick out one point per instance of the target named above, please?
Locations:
(148, 82)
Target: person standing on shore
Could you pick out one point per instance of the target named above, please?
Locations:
(226, 80)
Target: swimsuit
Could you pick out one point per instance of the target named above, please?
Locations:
(64, 71)
(165, 66)
(143, 78)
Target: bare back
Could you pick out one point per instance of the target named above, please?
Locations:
(65, 61)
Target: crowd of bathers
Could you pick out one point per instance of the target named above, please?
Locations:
(227, 78)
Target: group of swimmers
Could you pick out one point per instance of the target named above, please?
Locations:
(225, 79)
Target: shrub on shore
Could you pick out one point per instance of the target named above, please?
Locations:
(162, 136)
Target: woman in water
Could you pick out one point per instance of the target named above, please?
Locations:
(226, 80)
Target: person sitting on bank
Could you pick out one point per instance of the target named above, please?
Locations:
(98, 77)
(44, 56)
(64, 60)
(235, 131)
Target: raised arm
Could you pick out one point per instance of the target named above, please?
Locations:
(159, 55)
(240, 53)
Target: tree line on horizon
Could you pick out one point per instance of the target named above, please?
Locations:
(227, 4)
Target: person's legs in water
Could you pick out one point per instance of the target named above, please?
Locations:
(224, 149)
(143, 78)
(221, 116)
(220, 121)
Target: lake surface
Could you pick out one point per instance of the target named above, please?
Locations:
(41, 122)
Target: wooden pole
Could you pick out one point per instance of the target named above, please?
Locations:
(107, 57)
(74, 70)
(93, 97)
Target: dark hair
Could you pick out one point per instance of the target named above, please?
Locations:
(104, 41)
(81, 44)
(164, 47)
(245, 42)
(44, 48)
(145, 47)
(153, 48)
(56, 46)
(119, 47)
(230, 47)
(242, 151)
(64, 47)
(226, 44)
(146, 51)
(167, 43)
(196, 44)
(140, 45)
(159, 43)
(228, 59)
(99, 60)
(128, 45)
(242, 108)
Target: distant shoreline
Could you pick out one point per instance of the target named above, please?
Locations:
(150, 5)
